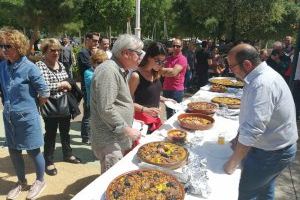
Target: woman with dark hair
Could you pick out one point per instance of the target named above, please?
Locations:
(145, 86)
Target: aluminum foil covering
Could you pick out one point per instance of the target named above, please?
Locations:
(198, 178)
(224, 111)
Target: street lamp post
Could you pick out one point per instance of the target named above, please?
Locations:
(137, 29)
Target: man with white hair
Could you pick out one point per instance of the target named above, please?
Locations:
(111, 104)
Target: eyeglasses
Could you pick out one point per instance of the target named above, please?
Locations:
(5, 46)
(176, 46)
(55, 50)
(160, 62)
(233, 66)
(139, 53)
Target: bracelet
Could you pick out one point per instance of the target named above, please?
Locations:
(142, 109)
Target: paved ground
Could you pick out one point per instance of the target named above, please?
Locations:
(72, 178)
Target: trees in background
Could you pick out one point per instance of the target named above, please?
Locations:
(242, 19)
(226, 19)
(51, 17)
(102, 15)
(155, 14)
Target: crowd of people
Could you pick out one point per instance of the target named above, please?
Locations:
(128, 82)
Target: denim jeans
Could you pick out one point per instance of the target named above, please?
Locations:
(260, 169)
(85, 123)
(19, 164)
(173, 94)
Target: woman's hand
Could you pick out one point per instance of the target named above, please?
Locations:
(65, 85)
(42, 100)
(154, 112)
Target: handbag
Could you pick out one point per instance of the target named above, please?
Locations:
(56, 107)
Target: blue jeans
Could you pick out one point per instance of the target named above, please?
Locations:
(173, 94)
(85, 123)
(260, 169)
(19, 165)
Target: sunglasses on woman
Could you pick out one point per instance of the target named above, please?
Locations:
(160, 62)
(5, 46)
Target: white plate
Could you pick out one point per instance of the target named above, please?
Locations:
(173, 105)
(140, 126)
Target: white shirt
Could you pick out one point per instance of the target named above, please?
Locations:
(109, 54)
(267, 117)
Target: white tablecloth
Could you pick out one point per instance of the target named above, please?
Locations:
(223, 186)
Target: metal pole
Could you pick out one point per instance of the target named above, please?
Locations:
(137, 29)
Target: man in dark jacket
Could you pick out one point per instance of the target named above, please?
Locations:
(66, 56)
(91, 43)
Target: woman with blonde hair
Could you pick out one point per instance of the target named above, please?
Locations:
(23, 88)
(97, 57)
(55, 76)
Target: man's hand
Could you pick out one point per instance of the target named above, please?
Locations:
(132, 133)
(230, 166)
(240, 152)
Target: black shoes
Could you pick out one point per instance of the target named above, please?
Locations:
(51, 170)
(86, 141)
(72, 159)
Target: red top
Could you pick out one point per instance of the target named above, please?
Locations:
(177, 82)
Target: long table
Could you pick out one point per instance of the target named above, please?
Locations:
(222, 186)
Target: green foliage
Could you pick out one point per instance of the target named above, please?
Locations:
(230, 19)
(47, 16)
(288, 25)
(8, 12)
(75, 68)
(186, 23)
(50, 16)
(237, 19)
(153, 15)
(99, 15)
